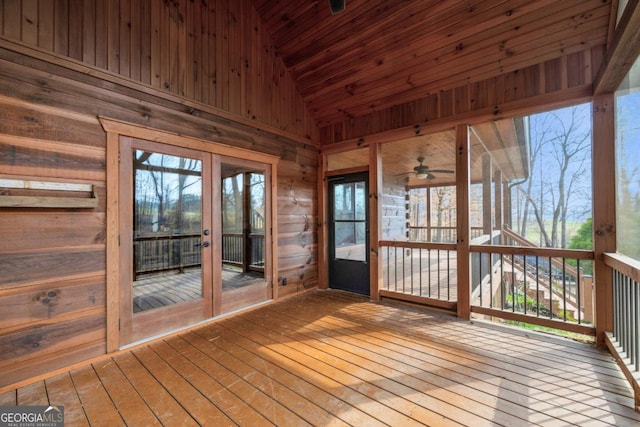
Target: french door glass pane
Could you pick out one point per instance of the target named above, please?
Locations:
(167, 221)
(350, 202)
(243, 226)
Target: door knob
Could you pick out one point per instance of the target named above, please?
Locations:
(206, 244)
(206, 232)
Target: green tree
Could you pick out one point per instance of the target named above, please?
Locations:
(583, 239)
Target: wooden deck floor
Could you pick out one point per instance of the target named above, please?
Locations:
(330, 358)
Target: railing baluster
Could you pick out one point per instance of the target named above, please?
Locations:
(429, 273)
(564, 287)
(537, 286)
(448, 275)
(503, 295)
(550, 282)
(578, 292)
(636, 321)
(438, 273)
(420, 265)
(411, 259)
(514, 297)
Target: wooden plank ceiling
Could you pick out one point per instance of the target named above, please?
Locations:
(377, 53)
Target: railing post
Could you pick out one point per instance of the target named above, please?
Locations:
(462, 220)
(604, 213)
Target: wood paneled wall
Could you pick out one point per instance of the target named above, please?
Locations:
(553, 83)
(215, 51)
(53, 261)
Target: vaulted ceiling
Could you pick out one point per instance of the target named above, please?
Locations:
(377, 53)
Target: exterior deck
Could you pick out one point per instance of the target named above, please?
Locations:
(330, 358)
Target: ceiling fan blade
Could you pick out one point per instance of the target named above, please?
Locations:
(441, 171)
(404, 173)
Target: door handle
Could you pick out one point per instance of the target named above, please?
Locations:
(206, 244)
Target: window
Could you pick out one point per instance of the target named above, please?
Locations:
(627, 102)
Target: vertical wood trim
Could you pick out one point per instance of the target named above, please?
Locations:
(190, 45)
(101, 34)
(135, 47)
(45, 24)
(208, 203)
(113, 263)
(12, 18)
(499, 211)
(323, 259)
(145, 42)
(462, 212)
(155, 44)
(61, 27)
(216, 235)
(75, 25)
(272, 237)
(375, 220)
(124, 38)
(89, 24)
(487, 199)
(604, 212)
(112, 36)
(30, 22)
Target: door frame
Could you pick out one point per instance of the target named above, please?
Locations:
(349, 176)
(116, 129)
(136, 326)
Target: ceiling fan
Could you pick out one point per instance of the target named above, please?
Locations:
(424, 172)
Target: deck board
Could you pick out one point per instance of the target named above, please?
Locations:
(331, 358)
(61, 391)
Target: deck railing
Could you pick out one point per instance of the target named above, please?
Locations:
(624, 341)
(626, 307)
(166, 252)
(176, 252)
(422, 272)
(541, 286)
(233, 250)
(438, 234)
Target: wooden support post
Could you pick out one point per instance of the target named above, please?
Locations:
(506, 203)
(462, 221)
(246, 221)
(323, 258)
(604, 213)
(487, 196)
(113, 243)
(375, 220)
(499, 206)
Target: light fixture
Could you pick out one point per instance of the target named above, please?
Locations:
(336, 6)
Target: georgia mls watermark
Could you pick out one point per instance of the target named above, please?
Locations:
(31, 416)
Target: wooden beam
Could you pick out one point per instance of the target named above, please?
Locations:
(375, 220)
(462, 220)
(623, 52)
(604, 210)
(487, 196)
(321, 227)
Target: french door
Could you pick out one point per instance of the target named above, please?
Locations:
(178, 263)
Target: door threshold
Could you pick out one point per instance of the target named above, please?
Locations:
(176, 331)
